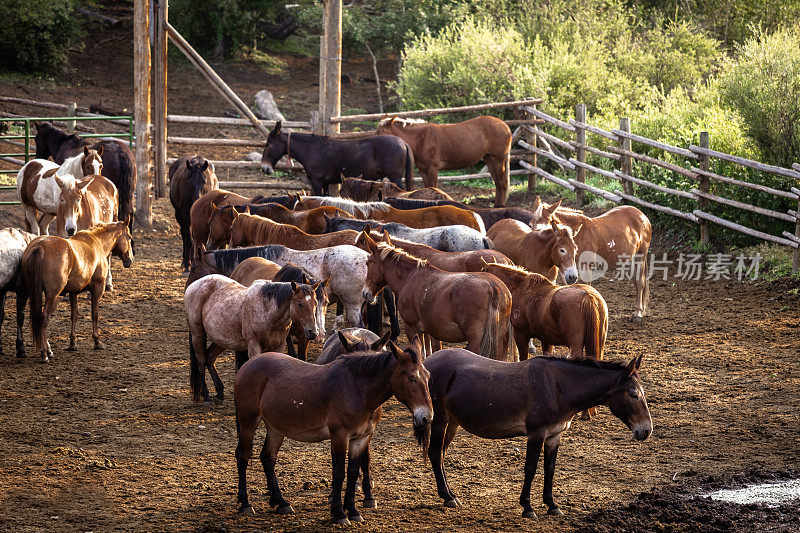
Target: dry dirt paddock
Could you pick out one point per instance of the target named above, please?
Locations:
(110, 440)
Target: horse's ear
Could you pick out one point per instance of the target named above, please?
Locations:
(634, 365)
(416, 344)
(391, 121)
(83, 184)
(552, 209)
(347, 344)
(553, 225)
(386, 238)
(575, 233)
(380, 343)
(205, 165)
(85, 150)
(380, 195)
(61, 183)
(370, 244)
(537, 202)
(294, 286)
(189, 164)
(398, 354)
(99, 149)
(37, 125)
(246, 210)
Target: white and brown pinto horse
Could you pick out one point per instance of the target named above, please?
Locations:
(12, 245)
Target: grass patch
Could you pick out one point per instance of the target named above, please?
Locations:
(293, 45)
(268, 63)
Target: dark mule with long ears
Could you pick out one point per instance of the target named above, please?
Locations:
(188, 179)
(476, 393)
(325, 159)
(335, 402)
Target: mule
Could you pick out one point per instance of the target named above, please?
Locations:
(546, 250)
(444, 238)
(489, 215)
(449, 306)
(234, 317)
(252, 230)
(449, 146)
(336, 401)
(119, 165)
(12, 245)
(473, 392)
(621, 236)
(54, 265)
(325, 159)
(189, 177)
(350, 340)
(369, 190)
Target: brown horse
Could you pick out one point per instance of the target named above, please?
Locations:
(82, 204)
(235, 317)
(200, 214)
(536, 398)
(350, 340)
(337, 401)
(449, 306)
(252, 230)
(620, 236)
(546, 250)
(253, 269)
(448, 146)
(56, 265)
(188, 179)
(374, 191)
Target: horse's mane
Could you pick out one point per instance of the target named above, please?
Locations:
(533, 277)
(366, 363)
(411, 203)
(227, 260)
(589, 362)
(402, 121)
(279, 292)
(390, 252)
(292, 272)
(357, 209)
(359, 188)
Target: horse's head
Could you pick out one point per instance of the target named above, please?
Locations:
(376, 279)
(409, 383)
(219, 225)
(70, 203)
(351, 343)
(197, 176)
(92, 162)
(559, 242)
(273, 150)
(627, 402)
(42, 146)
(123, 246)
(542, 212)
(304, 306)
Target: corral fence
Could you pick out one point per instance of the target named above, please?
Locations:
(622, 155)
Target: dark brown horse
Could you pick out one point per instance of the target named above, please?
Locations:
(188, 179)
(375, 191)
(336, 401)
(350, 340)
(449, 146)
(252, 230)
(536, 398)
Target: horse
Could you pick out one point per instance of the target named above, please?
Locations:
(336, 401)
(620, 236)
(200, 214)
(89, 162)
(253, 269)
(346, 266)
(449, 146)
(55, 265)
(473, 392)
(252, 230)
(444, 238)
(82, 204)
(449, 306)
(546, 250)
(355, 209)
(119, 165)
(369, 190)
(12, 245)
(188, 179)
(325, 159)
(489, 215)
(350, 340)
(235, 317)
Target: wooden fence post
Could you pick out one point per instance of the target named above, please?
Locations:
(72, 109)
(705, 236)
(333, 64)
(160, 97)
(533, 140)
(580, 138)
(141, 98)
(626, 162)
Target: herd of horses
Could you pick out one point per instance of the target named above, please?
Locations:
(262, 271)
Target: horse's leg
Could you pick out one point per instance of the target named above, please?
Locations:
(302, 348)
(550, 452)
(353, 317)
(241, 358)
(547, 349)
(49, 308)
(642, 290)
(431, 178)
(499, 170)
(357, 448)
(441, 429)
(436, 345)
(187, 244)
(290, 346)
(522, 340)
(244, 450)
(97, 293)
(269, 455)
(391, 310)
(531, 459)
(109, 281)
(338, 460)
(366, 481)
(31, 221)
(502, 342)
(212, 353)
(2, 314)
(73, 315)
(44, 223)
(198, 340)
(22, 300)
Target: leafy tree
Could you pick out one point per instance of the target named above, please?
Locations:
(35, 34)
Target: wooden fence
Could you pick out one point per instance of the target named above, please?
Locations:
(622, 154)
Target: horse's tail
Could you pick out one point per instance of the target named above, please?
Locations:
(596, 326)
(33, 273)
(491, 329)
(196, 374)
(241, 358)
(409, 173)
(126, 185)
(479, 220)
(488, 244)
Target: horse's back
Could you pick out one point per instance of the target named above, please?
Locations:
(12, 245)
(333, 349)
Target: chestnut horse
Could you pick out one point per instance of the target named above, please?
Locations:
(200, 214)
(621, 236)
(546, 250)
(449, 146)
(536, 399)
(252, 230)
(82, 204)
(56, 265)
(188, 179)
(337, 401)
(253, 269)
(235, 317)
(369, 190)
(449, 306)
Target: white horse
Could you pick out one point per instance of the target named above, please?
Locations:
(12, 245)
(39, 192)
(345, 265)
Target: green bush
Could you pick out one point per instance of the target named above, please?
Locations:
(35, 34)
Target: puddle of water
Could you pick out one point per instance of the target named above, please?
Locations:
(768, 493)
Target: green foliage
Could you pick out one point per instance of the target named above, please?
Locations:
(35, 34)
(763, 85)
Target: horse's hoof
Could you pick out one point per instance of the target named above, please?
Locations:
(555, 511)
(341, 521)
(247, 510)
(20, 354)
(218, 401)
(356, 518)
(370, 504)
(185, 274)
(453, 504)
(585, 416)
(286, 509)
(44, 359)
(72, 348)
(99, 346)
(529, 514)
(637, 319)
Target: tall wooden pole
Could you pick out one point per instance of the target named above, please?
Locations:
(705, 235)
(141, 97)
(160, 97)
(580, 137)
(333, 64)
(626, 163)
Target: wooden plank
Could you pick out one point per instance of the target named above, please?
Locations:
(594, 129)
(225, 121)
(141, 97)
(663, 209)
(744, 229)
(756, 186)
(262, 185)
(374, 117)
(547, 118)
(746, 207)
(160, 99)
(523, 121)
(594, 190)
(546, 175)
(598, 152)
(568, 145)
(746, 162)
(655, 144)
(255, 165)
(549, 155)
(704, 186)
(594, 169)
(626, 163)
(791, 236)
(796, 166)
(653, 161)
(650, 185)
(580, 140)
(795, 190)
(201, 141)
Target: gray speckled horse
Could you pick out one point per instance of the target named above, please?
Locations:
(12, 245)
